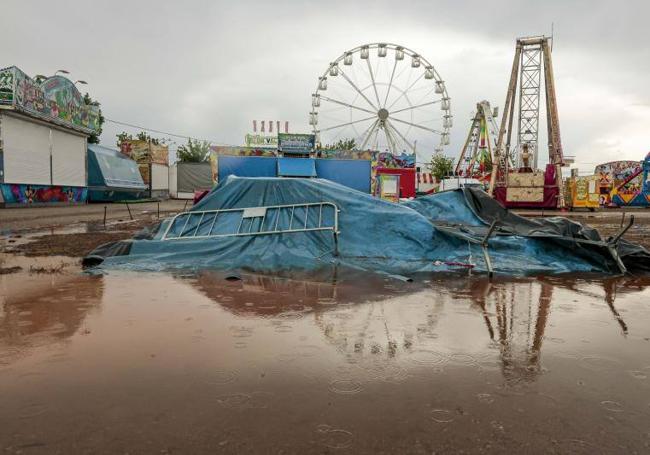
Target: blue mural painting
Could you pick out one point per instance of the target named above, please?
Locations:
(42, 194)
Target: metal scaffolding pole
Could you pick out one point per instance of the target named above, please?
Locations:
(529, 95)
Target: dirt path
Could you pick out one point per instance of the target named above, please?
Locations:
(24, 219)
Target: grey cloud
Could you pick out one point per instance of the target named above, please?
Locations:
(207, 69)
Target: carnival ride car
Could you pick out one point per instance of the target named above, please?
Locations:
(515, 180)
(634, 194)
(613, 174)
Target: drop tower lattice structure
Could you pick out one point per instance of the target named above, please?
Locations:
(532, 60)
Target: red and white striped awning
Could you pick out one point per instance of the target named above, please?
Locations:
(426, 178)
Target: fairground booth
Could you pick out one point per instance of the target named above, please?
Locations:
(295, 156)
(581, 192)
(44, 127)
(113, 176)
(186, 179)
(625, 183)
(153, 162)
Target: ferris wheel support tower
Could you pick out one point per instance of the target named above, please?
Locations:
(531, 55)
(478, 152)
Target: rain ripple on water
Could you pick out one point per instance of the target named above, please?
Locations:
(345, 386)
(334, 438)
(430, 358)
(441, 415)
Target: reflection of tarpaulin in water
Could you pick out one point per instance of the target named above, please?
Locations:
(356, 314)
(275, 225)
(361, 294)
(47, 313)
(270, 296)
(516, 313)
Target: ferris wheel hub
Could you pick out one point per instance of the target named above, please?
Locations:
(382, 114)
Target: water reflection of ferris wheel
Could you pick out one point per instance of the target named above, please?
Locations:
(384, 96)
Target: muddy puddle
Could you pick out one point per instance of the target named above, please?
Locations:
(195, 363)
(74, 240)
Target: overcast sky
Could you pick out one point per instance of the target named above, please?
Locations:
(208, 68)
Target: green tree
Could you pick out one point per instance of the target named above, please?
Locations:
(94, 137)
(123, 137)
(346, 144)
(194, 151)
(342, 144)
(141, 136)
(441, 166)
(144, 136)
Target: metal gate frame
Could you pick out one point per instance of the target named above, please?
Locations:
(256, 212)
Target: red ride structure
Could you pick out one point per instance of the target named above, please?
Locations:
(515, 180)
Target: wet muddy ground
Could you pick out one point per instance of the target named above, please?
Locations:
(126, 362)
(157, 363)
(74, 231)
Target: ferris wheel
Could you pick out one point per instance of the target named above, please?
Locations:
(384, 96)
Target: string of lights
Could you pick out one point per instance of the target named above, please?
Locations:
(167, 133)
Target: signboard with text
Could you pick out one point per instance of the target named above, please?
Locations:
(54, 99)
(289, 143)
(260, 140)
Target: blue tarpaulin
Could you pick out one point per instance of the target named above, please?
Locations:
(296, 167)
(435, 233)
(108, 167)
(247, 166)
(354, 174)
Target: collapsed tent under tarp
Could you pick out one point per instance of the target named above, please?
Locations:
(485, 214)
(277, 225)
(113, 176)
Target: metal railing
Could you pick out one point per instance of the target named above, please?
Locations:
(268, 220)
(611, 244)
